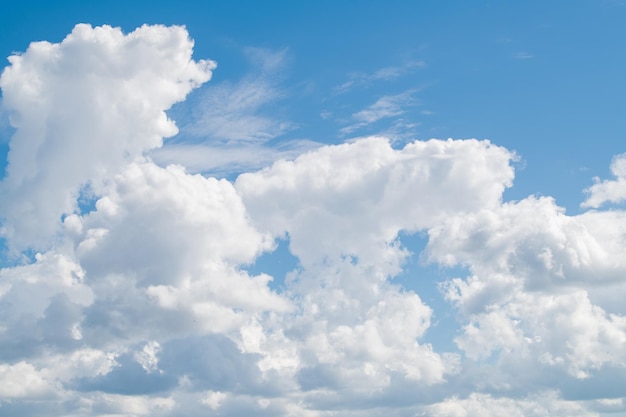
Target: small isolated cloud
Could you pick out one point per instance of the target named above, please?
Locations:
(384, 108)
(326, 114)
(359, 79)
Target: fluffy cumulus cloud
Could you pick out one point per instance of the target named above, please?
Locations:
(609, 191)
(83, 108)
(144, 304)
(481, 405)
(532, 271)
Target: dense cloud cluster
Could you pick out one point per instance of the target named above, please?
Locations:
(139, 298)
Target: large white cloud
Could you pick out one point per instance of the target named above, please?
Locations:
(145, 306)
(343, 208)
(539, 285)
(83, 108)
(329, 200)
(180, 239)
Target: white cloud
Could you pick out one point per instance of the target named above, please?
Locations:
(609, 191)
(123, 405)
(380, 189)
(481, 405)
(148, 357)
(22, 380)
(527, 298)
(535, 240)
(188, 235)
(82, 109)
(343, 207)
(214, 399)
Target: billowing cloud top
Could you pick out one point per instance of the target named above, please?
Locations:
(145, 303)
(82, 109)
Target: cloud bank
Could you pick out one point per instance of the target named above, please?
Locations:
(143, 303)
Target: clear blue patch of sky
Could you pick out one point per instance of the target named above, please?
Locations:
(86, 201)
(277, 264)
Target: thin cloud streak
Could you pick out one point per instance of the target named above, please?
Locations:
(231, 127)
(523, 55)
(227, 159)
(359, 79)
(384, 108)
(233, 112)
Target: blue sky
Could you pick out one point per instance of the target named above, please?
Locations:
(313, 209)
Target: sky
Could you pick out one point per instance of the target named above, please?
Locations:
(313, 209)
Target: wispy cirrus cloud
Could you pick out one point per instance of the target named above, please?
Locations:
(230, 112)
(385, 107)
(523, 55)
(359, 79)
(232, 122)
(227, 159)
